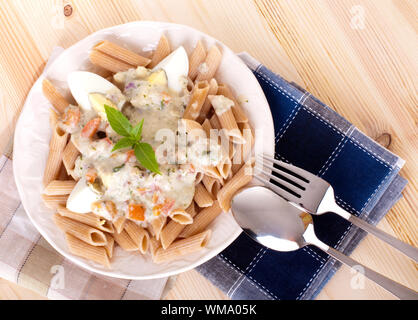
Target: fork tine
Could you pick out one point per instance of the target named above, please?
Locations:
(294, 171)
(287, 187)
(286, 177)
(286, 195)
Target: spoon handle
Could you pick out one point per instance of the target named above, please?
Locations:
(395, 288)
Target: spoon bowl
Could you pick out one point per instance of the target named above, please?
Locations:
(276, 224)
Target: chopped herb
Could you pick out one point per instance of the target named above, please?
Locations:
(162, 105)
(116, 169)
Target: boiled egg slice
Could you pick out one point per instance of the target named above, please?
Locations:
(176, 67)
(90, 89)
(81, 198)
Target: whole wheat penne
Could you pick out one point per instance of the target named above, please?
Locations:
(119, 223)
(138, 234)
(199, 177)
(197, 56)
(57, 187)
(107, 62)
(53, 202)
(87, 251)
(202, 197)
(183, 247)
(125, 241)
(243, 151)
(198, 97)
(237, 110)
(211, 172)
(211, 64)
(204, 111)
(239, 180)
(202, 220)
(172, 230)
(181, 216)
(63, 175)
(56, 147)
(89, 219)
(82, 231)
(69, 156)
(212, 185)
(193, 128)
(222, 106)
(154, 245)
(121, 53)
(52, 94)
(163, 50)
(157, 225)
(110, 245)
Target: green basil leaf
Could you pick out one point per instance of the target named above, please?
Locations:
(119, 123)
(137, 130)
(146, 156)
(123, 143)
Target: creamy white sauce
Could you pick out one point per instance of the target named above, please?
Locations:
(122, 179)
(221, 104)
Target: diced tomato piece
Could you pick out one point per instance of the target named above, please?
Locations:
(129, 154)
(91, 175)
(136, 212)
(91, 128)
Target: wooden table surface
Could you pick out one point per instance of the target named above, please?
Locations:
(358, 56)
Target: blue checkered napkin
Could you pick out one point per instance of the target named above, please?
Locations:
(366, 182)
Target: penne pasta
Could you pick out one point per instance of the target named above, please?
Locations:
(197, 56)
(119, 223)
(63, 175)
(69, 156)
(212, 185)
(237, 110)
(198, 97)
(207, 69)
(52, 94)
(107, 62)
(87, 251)
(163, 50)
(204, 111)
(239, 180)
(110, 245)
(138, 234)
(226, 118)
(181, 216)
(157, 225)
(54, 161)
(183, 247)
(121, 53)
(202, 220)
(202, 197)
(81, 231)
(243, 151)
(57, 187)
(199, 177)
(172, 230)
(154, 245)
(53, 202)
(125, 241)
(89, 219)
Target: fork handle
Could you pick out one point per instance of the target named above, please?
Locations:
(395, 288)
(403, 247)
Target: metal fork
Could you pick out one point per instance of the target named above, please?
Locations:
(313, 194)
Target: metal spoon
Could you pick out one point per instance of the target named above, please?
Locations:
(271, 221)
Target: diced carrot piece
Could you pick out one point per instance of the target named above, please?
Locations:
(91, 128)
(156, 211)
(91, 175)
(136, 212)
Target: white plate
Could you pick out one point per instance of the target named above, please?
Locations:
(33, 133)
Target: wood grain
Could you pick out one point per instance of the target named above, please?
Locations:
(369, 75)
